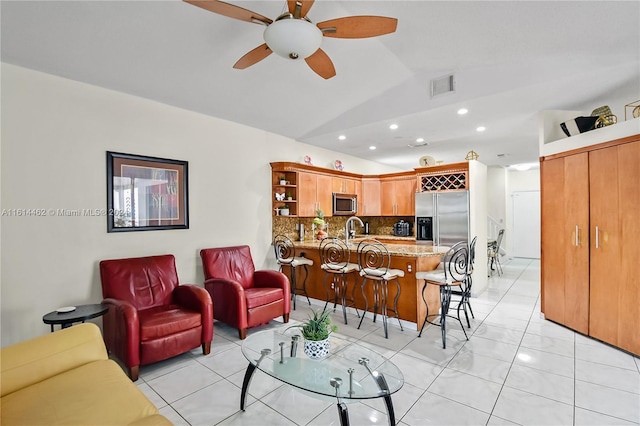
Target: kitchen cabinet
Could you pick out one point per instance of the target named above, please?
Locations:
(397, 196)
(370, 204)
(284, 182)
(590, 205)
(314, 193)
(344, 185)
(565, 240)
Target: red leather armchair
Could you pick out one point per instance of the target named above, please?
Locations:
(244, 297)
(150, 316)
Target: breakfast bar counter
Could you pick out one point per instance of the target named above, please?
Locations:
(408, 257)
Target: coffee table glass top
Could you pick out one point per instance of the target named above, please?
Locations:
(373, 376)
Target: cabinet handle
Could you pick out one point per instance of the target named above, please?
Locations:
(597, 238)
(577, 238)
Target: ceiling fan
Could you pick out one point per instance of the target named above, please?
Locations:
(292, 35)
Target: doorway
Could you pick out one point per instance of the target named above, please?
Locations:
(526, 224)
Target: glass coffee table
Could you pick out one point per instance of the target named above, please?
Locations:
(350, 371)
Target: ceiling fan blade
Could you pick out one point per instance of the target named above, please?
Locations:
(321, 64)
(231, 11)
(305, 5)
(358, 26)
(253, 57)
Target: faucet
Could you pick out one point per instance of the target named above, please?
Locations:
(346, 227)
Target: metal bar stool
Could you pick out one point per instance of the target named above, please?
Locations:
(493, 254)
(465, 288)
(374, 263)
(454, 272)
(334, 255)
(286, 256)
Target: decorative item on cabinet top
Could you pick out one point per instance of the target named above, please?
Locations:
(338, 165)
(634, 108)
(472, 155)
(307, 160)
(605, 116)
(427, 160)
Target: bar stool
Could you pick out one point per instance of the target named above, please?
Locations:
(335, 256)
(493, 254)
(374, 263)
(286, 256)
(454, 273)
(465, 302)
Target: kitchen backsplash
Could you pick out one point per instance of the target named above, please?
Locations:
(283, 225)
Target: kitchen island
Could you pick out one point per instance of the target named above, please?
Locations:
(407, 257)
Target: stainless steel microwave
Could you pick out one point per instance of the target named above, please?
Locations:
(345, 204)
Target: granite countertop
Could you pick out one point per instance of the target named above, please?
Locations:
(405, 250)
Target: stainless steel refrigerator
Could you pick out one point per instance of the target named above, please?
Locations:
(442, 217)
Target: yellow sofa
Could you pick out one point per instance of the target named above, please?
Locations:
(66, 378)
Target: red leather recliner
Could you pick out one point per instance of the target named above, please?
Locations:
(244, 297)
(150, 316)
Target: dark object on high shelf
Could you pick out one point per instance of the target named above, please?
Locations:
(579, 125)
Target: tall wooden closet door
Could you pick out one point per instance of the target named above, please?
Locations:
(615, 213)
(605, 244)
(565, 244)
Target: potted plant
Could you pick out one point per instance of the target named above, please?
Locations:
(284, 210)
(320, 225)
(289, 196)
(316, 330)
(283, 180)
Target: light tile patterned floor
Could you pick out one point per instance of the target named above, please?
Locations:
(516, 368)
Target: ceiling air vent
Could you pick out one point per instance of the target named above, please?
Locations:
(442, 85)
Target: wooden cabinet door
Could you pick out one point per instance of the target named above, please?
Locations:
(615, 232)
(565, 255)
(405, 194)
(324, 195)
(387, 198)
(370, 205)
(629, 287)
(307, 199)
(314, 192)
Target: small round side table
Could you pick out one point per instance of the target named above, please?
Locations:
(80, 314)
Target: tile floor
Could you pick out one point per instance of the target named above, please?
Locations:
(516, 368)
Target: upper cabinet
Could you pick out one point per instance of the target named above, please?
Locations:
(397, 196)
(369, 203)
(284, 191)
(314, 194)
(446, 177)
(343, 185)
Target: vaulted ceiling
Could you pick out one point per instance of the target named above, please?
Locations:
(510, 60)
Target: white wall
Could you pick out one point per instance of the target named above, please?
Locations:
(55, 134)
(478, 223)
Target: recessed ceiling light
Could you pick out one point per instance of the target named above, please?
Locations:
(462, 111)
(372, 147)
(393, 126)
(420, 140)
(481, 129)
(342, 137)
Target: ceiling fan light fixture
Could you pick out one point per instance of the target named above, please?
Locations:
(293, 38)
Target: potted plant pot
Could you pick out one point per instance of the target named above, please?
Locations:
(316, 330)
(316, 349)
(284, 211)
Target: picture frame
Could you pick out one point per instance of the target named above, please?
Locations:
(146, 193)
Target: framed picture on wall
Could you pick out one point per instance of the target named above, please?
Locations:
(146, 193)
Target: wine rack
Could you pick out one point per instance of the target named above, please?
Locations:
(443, 182)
